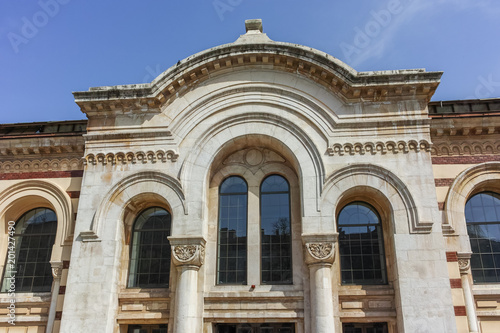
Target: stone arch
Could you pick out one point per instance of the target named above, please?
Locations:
(24, 196)
(128, 196)
(380, 182)
(289, 139)
(479, 178)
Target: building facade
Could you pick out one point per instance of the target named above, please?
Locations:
(257, 186)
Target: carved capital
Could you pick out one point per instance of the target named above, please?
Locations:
(320, 253)
(464, 262)
(319, 249)
(187, 251)
(57, 267)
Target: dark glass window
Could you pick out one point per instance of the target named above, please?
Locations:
(361, 245)
(150, 250)
(147, 329)
(276, 240)
(255, 328)
(35, 233)
(232, 251)
(365, 328)
(482, 213)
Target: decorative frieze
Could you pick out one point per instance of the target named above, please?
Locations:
(64, 164)
(465, 148)
(379, 147)
(131, 157)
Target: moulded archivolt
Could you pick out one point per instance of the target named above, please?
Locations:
(131, 157)
(466, 148)
(379, 147)
(63, 164)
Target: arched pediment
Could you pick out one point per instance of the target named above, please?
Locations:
(256, 50)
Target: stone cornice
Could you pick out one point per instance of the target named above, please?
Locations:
(378, 147)
(138, 134)
(350, 85)
(41, 147)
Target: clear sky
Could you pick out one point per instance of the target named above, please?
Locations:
(50, 48)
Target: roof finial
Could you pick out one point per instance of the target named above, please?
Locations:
(253, 26)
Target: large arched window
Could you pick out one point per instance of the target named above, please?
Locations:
(34, 236)
(232, 242)
(482, 214)
(276, 238)
(361, 245)
(150, 250)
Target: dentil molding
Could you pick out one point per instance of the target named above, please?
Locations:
(161, 156)
(379, 147)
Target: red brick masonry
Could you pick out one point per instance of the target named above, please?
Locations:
(469, 159)
(459, 311)
(455, 283)
(46, 174)
(451, 257)
(443, 181)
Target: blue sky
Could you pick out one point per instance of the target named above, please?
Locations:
(49, 48)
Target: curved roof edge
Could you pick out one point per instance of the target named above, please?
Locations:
(255, 48)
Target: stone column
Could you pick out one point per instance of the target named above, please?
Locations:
(188, 254)
(56, 274)
(319, 257)
(464, 265)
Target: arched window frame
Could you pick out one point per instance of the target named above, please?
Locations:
(241, 270)
(485, 258)
(283, 272)
(381, 244)
(41, 265)
(132, 274)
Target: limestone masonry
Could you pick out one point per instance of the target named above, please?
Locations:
(257, 186)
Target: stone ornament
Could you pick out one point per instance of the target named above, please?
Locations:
(372, 148)
(464, 265)
(254, 158)
(131, 157)
(320, 253)
(188, 255)
(64, 164)
(466, 148)
(57, 269)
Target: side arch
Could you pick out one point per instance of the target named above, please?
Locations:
(383, 181)
(291, 138)
(26, 195)
(129, 190)
(479, 178)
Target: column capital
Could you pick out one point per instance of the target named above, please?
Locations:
(57, 267)
(187, 250)
(464, 262)
(319, 248)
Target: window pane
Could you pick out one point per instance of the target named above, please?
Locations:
(483, 227)
(361, 245)
(150, 249)
(34, 238)
(275, 225)
(232, 255)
